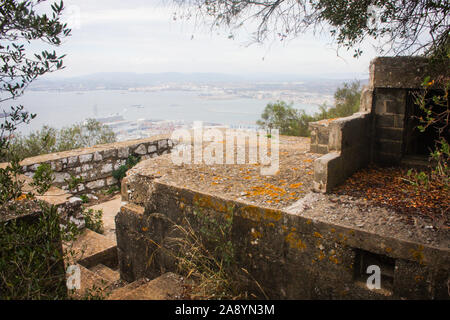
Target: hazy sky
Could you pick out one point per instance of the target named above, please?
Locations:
(141, 36)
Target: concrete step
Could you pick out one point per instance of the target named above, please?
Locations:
(92, 248)
(169, 286)
(106, 272)
(92, 284)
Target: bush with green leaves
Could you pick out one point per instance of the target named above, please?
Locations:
(43, 178)
(93, 219)
(121, 172)
(434, 103)
(294, 122)
(32, 258)
(48, 139)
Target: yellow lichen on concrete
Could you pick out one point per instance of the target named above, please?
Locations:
(251, 212)
(256, 234)
(294, 242)
(417, 254)
(274, 215)
(206, 201)
(317, 235)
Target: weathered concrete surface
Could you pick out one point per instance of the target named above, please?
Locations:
(400, 72)
(349, 147)
(168, 286)
(320, 132)
(294, 253)
(377, 133)
(92, 248)
(89, 280)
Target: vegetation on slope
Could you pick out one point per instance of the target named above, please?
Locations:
(293, 122)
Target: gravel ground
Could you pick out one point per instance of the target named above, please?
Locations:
(244, 182)
(356, 213)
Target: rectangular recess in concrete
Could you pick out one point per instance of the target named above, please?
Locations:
(364, 259)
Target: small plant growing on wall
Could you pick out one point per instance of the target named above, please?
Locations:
(84, 198)
(93, 219)
(43, 178)
(73, 182)
(121, 172)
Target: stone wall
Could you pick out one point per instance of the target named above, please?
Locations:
(289, 255)
(95, 165)
(389, 122)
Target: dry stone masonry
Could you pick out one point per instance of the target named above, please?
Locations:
(95, 165)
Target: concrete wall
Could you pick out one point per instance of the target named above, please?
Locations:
(320, 132)
(375, 134)
(349, 150)
(290, 256)
(96, 164)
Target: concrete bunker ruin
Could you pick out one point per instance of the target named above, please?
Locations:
(310, 248)
(384, 131)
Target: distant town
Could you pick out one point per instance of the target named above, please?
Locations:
(302, 91)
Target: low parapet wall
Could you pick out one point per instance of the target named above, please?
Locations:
(349, 150)
(95, 165)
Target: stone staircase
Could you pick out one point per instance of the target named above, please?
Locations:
(96, 256)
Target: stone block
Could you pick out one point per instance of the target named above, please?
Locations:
(385, 120)
(109, 153)
(107, 168)
(96, 184)
(152, 148)
(162, 144)
(86, 157)
(322, 149)
(123, 153)
(86, 167)
(389, 146)
(118, 164)
(390, 134)
(72, 161)
(111, 181)
(327, 171)
(141, 149)
(396, 107)
(61, 176)
(399, 72)
(98, 156)
(56, 165)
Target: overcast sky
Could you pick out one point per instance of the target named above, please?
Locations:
(142, 36)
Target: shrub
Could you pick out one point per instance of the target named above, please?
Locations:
(293, 122)
(48, 139)
(93, 220)
(121, 172)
